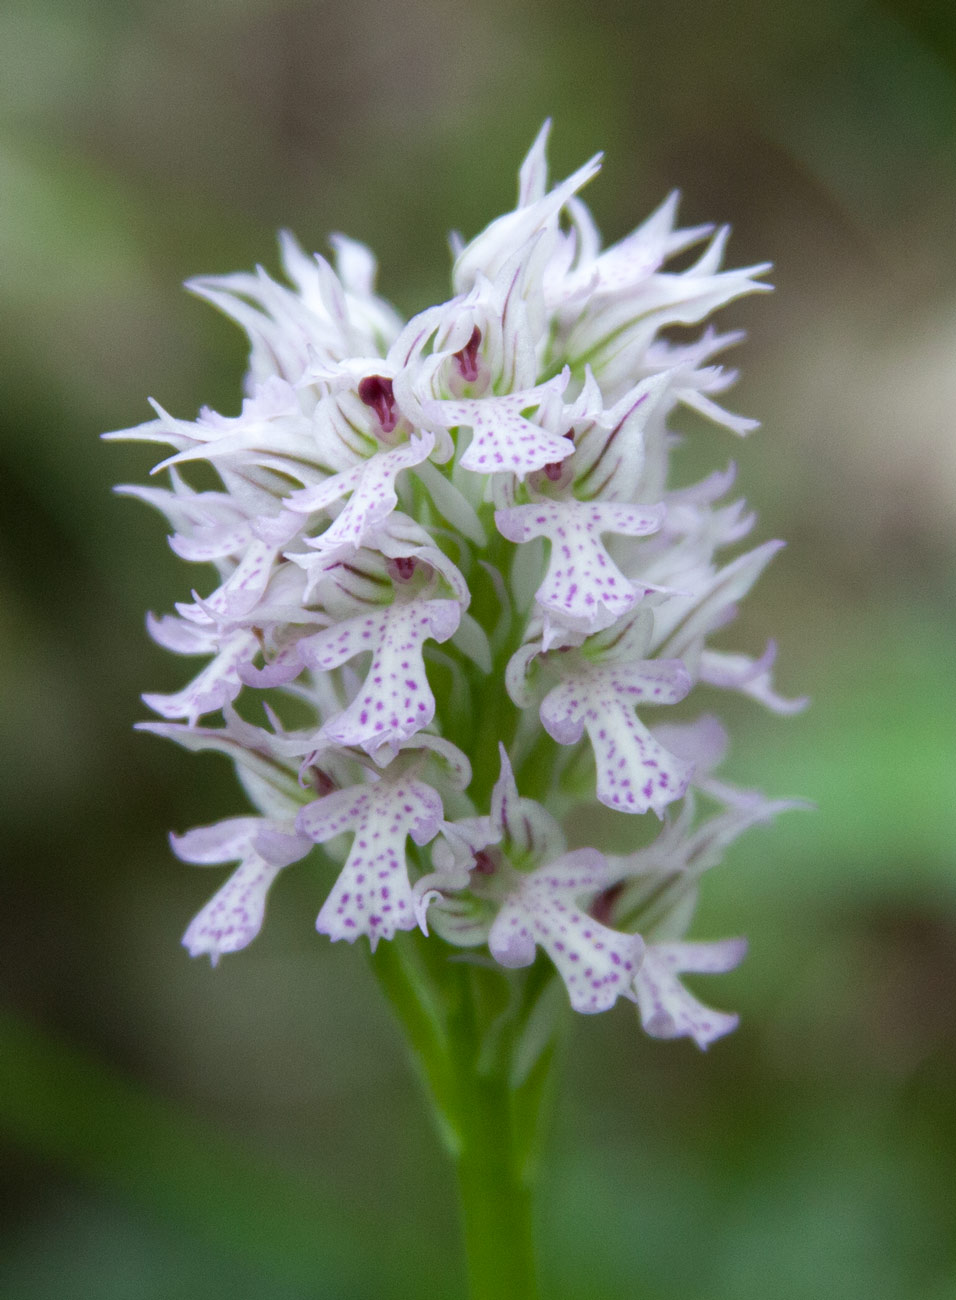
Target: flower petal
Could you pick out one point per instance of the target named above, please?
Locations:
(596, 963)
(219, 682)
(667, 1009)
(372, 894)
(583, 589)
(634, 771)
(373, 496)
(233, 917)
(502, 439)
(226, 841)
(749, 676)
(395, 701)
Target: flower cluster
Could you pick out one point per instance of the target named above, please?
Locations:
(450, 555)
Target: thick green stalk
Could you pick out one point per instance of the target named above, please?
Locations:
(495, 1178)
(496, 1195)
(463, 1023)
(409, 989)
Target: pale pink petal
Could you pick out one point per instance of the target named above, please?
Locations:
(218, 683)
(596, 963)
(372, 894)
(634, 771)
(233, 917)
(583, 589)
(371, 490)
(212, 542)
(241, 591)
(226, 841)
(735, 672)
(702, 742)
(395, 700)
(502, 438)
(181, 636)
(667, 1009)
(533, 173)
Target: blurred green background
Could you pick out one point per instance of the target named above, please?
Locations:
(168, 1131)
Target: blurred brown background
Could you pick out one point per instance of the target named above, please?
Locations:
(169, 1131)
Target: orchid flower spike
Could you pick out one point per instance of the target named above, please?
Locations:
(453, 565)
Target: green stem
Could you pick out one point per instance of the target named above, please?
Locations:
(406, 985)
(463, 1023)
(496, 1196)
(495, 1176)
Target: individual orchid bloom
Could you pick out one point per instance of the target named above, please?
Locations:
(634, 771)
(482, 342)
(750, 676)
(372, 895)
(370, 487)
(454, 546)
(583, 590)
(233, 918)
(503, 440)
(395, 700)
(517, 906)
(520, 833)
(609, 673)
(406, 547)
(498, 353)
(377, 401)
(597, 964)
(218, 684)
(667, 1009)
(347, 430)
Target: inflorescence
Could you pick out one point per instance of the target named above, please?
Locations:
(451, 560)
